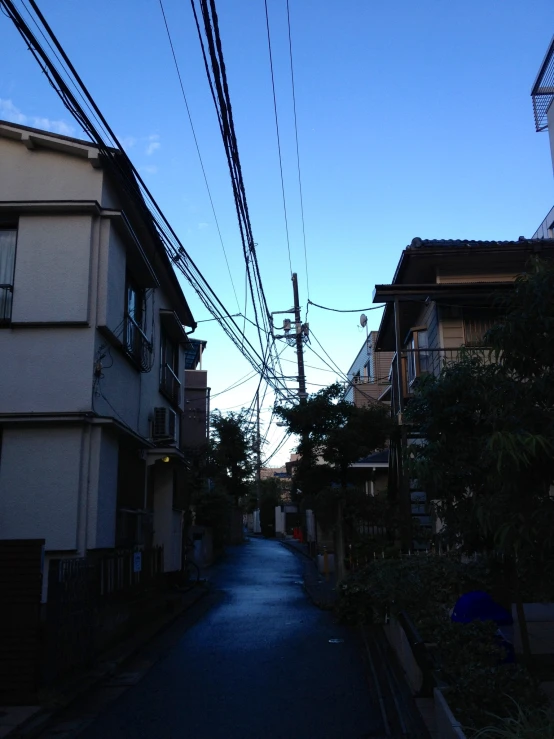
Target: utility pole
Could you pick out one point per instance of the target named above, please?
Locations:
(258, 448)
(299, 340)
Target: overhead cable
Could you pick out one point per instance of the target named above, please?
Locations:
(340, 310)
(198, 150)
(278, 136)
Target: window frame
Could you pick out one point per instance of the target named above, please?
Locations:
(134, 338)
(7, 288)
(170, 384)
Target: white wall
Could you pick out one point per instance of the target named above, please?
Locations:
(40, 473)
(102, 502)
(52, 269)
(45, 370)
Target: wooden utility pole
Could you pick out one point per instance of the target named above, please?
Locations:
(299, 340)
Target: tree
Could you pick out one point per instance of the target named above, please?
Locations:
(488, 429)
(338, 433)
(232, 450)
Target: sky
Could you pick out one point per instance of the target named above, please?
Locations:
(414, 119)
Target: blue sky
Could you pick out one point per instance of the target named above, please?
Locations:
(414, 119)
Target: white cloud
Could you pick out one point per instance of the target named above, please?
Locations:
(10, 112)
(151, 148)
(127, 142)
(203, 225)
(149, 169)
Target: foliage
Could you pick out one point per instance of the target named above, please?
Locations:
(479, 684)
(232, 452)
(334, 431)
(521, 723)
(212, 508)
(427, 587)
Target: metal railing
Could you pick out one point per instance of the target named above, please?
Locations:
(170, 384)
(137, 344)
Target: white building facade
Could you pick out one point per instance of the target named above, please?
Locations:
(92, 341)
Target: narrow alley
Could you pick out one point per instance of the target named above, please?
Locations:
(259, 663)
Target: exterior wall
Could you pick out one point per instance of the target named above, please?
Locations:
(60, 482)
(40, 479)
(195, 418)
(45, 370)
(52, 269)
(103, 498)
(62, 176)
(465, 273)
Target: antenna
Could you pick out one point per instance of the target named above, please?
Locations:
(363, 324)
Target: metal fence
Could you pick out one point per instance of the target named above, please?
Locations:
(92, 600)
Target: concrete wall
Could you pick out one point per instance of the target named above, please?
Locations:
(52, 269)
(40, 479)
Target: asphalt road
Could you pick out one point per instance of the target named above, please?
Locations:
(258, 665)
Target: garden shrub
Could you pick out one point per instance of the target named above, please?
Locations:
(426, 587)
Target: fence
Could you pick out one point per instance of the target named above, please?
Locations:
(92, 600)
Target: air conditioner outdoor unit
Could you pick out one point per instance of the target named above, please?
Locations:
(164, 424)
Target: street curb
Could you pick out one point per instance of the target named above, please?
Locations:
(36, 724)
(323, 606)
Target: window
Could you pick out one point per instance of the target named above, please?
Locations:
(134, 319)
(8, 239)
(170, 384)
(477, 321)
(418, 354)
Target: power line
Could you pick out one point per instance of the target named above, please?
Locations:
(297, 151)
(340, 310)
(277, 130)
(119, 166)
(198, 150)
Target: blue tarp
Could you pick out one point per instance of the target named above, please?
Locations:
(478, 605)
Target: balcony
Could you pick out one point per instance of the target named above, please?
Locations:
(416, 363)
(170, 384)
(137, 345)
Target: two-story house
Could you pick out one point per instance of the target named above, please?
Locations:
(94, 350)
(443, 297)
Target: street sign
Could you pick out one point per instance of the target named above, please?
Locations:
(137, 562)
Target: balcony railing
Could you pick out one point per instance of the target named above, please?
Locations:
(137, 344)
(6, 298)
(416, 363)
(170, 384)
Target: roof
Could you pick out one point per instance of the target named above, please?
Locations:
(415, 278)
(377, 459)
(192, 352)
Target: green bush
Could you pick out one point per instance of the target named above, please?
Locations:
(427, 587)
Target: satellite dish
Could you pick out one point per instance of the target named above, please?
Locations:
(363, 320)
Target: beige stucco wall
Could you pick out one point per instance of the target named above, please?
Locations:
(62, 176)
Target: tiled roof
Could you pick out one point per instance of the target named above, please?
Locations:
(418, 243)
(376, 458)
